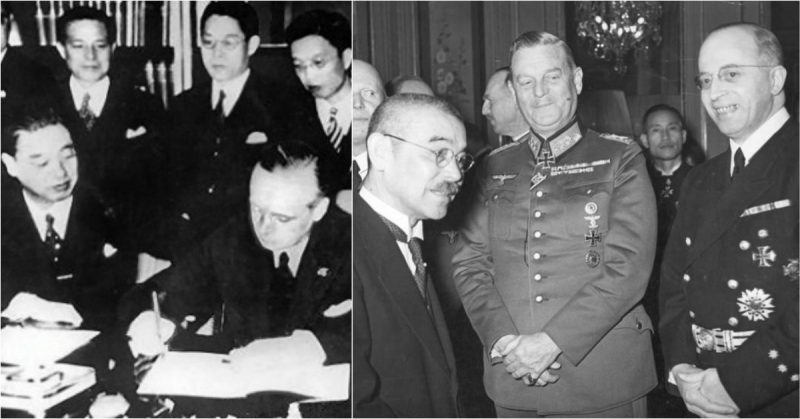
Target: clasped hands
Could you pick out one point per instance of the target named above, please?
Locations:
(703, 392)
(531, 358)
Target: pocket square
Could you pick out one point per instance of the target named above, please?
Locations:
(109, 250)
(133, 133)
(256, 137)
(340, 309)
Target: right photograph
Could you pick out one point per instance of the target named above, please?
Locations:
(575, 209)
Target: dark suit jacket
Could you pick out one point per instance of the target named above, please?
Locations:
(403, 361)
(712, 276)
(208, 179)
(97, 281)
(344, 158)
(230, 272)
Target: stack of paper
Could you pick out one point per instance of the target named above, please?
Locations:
(292, 364)
(31, 346)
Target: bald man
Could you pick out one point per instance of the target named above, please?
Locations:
(404, 84)
(500, 108)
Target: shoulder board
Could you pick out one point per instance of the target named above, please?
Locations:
(618, 138)
(506, 147)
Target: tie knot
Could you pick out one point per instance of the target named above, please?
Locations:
(334, 111)
(85, 100)
(397, 232)
(49, 220)
(283, 260)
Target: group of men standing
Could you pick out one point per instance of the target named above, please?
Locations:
(556, 249)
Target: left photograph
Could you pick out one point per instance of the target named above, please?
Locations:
(176, 209)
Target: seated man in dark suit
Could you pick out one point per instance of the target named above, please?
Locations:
(221, 126)
(322, 55)
(56, 237)
(113, 124)
(281, 266)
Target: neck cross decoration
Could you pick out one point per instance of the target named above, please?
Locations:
(593, 237)
(547, 158)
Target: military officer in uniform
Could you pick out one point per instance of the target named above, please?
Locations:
(729, 290)
(556, 253)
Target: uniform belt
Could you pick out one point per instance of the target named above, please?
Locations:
(718, 340)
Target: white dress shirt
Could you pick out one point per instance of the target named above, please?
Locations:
(759, 137)
(233, 89)
(98, 93)
(399, 219)
(60, 212)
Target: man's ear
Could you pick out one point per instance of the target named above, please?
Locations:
(378, 151)
(320, 209)
(11, 164)
(252, 45)
(644, 141)
(577, 77)
(683, 136)
(347, 58)
(777, 79)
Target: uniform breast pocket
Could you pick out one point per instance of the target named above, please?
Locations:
(501, 207)
(586, 207)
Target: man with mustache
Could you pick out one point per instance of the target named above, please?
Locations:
(729, 291)
(322, 55)
(403, 364)
(556, 254)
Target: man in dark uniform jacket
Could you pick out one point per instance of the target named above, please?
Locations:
(278, 267)
(115, 126)
(556, 255)
(321, 48)
(729, 290)
(403, 361)
(220, 127)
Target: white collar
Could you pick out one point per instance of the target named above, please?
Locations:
(671, 172)
(98, 93)
(759, 137)
(521, 136)
(233, 90)
(295, 254)
(394, 216)
(363, 164)
(59, 210)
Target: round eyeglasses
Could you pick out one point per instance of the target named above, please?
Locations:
(443, 156)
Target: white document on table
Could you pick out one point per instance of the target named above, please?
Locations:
(32, 346)
(292, 364)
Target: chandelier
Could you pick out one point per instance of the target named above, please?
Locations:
(613, 29)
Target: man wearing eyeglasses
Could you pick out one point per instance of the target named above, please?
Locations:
(281, 265)
(222, 125)
(403, 364)
(557, 252)
(729, 290)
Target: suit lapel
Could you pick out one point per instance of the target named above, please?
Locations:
(396, 279)
(731, 199)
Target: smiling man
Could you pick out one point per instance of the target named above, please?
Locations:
(729, 294)
(556, 254)
(403, 364)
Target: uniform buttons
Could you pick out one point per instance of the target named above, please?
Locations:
(698, 350)
(494, 197)
(537, 277)
(691, 313)
(57, 246)
(588, 192)
(688, 241)
(733, 284)
(55, 259)
(537, 214)
(211, 189)
(539, 194)
(537, 234)
(216, 153)
(686, 277)
(763, 233)
(744, 244)
(733, 321)
(537, 256)
(186, 216)
(539, 299)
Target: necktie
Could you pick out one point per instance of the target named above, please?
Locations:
(334, 131)
(219, 109)
(52, 239)
(415, 246)
(283, 287)
(738, 163)
(86, 114)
